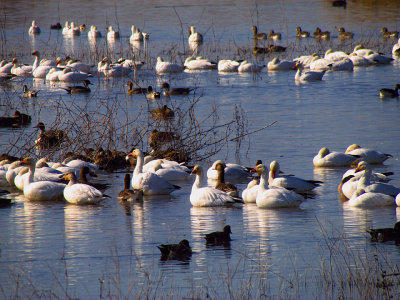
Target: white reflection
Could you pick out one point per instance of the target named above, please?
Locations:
(69, 44)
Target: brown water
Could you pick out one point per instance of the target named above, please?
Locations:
(51, 250)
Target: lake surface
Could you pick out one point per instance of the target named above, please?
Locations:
(59, 250)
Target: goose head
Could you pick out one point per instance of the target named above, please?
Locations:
(323, 152)
(197, 170)
(41, 126)
(362, 165)
(260, 169)
(227, 229)
(27, 161)
(352, 147)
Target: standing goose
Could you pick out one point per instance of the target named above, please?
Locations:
(203, 195)
(80, 193)
(40, 190)
(277, 197)
(150, 183)
(390, 93)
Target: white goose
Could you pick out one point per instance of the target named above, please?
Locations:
(320, 64)
(293, 183)
(361, 51)
(80, 193)
(227, 65)
(112, 35)
(194, 37)
(203, 195)
(40, 190)
(360, 61)
(199, 63)
(396, 49)
(249, 194)
(277, 65)
(305, 60)
(335, 55)
(167, 67)
(41, 174)
(79, 164)
(72, 30)
(325, 158)
(23, 70)
(150, 183)
(12, 172)
(39, 71)
(346, 64)
(369, 155)
(66, 28)
(94, 33)
(70, 75)
(167, 173)
(245, 66)
(34, 29)
(364, 199)
(136, 35)
(307, 76)
(6, 67)
(232, 171)
(277, 197)
(53, 74)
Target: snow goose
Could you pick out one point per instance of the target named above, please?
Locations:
(180, 251)
(53, 74)
(335, 55)
(345, 64)
(203, 195)
(276, 197)
(245, 66)
(167, 173)
(249, 194)
(364, 199)
(398, 200)
(129, 63)
(344, 35)
(389, 34)
(379, 58)
(199, 63)
(112, 34)
(80, 66)
(39, 71)
(66, 28)
(232, 171)
(360, 61)
(78, 89)
(69, 75)
(306, 76)
(12, 171)
(72, 30)
(167, 67)
(221, 185)
(389, 93)
(325, 158)
(293, 183)
(150, 183)
(301, 34)
(80, 193)
(396, 49)
(40, 190)
(305, 60)
(258, 35)
(375, 176)
(320, 64)
(219, 237)
(274, 35)
(112, 70)
(227, 65)
(174, 91)
(194, 37)
(23, 70)
(7, 67)
(165, 163)
(34, 29)
(136, 35)
(79, 164)
(361, 51)
(277, 65)
(368, 155)
(41, 174)
(94, 33)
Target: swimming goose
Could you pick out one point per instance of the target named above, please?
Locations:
(129, 63)
(360, 61)
(305, 60)
(39, 71)
(40, 190)
(364, 199)
(306, 76)
(175, 91)
(7, 67)
(53, 74)
(80, 193)
(194, 37)
(389, 34)
(344, 35)
(181, 251)
(5, 77)
(136, 90)
(23, 70)
(66, 28)
(301, 34)
(79, 66)
(70, 75)
(150, 183)
(232, 171)
(323, 35)
(112, 70)
(112, 34)
(151, 94)
(49, 138)
(227, 65)
(277, 65)
(343, 65)
(221, 185)
(41, 174)
(151, 163)
(167, 173)
(167, 67)
(27, 93)
(396, 49)
(375, 176)
(199, 63)
(361, 51)
(276, 197)
(94, 33)
(136, 35)
(249, 194)
(245, 66)
(16, 120)
(162, 113)
(320, 64)
(325, 158)
(12, 172)
(335, 55)
(72, 30)
(390, 93)
(258, 35)
(379, 58)
(293, 183)
(274, 35)
(78, 89)
(203, 195)
(34, 29)
(385, 234)
(368, 155)
(219, 237)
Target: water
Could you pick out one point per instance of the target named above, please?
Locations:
(53, 249)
